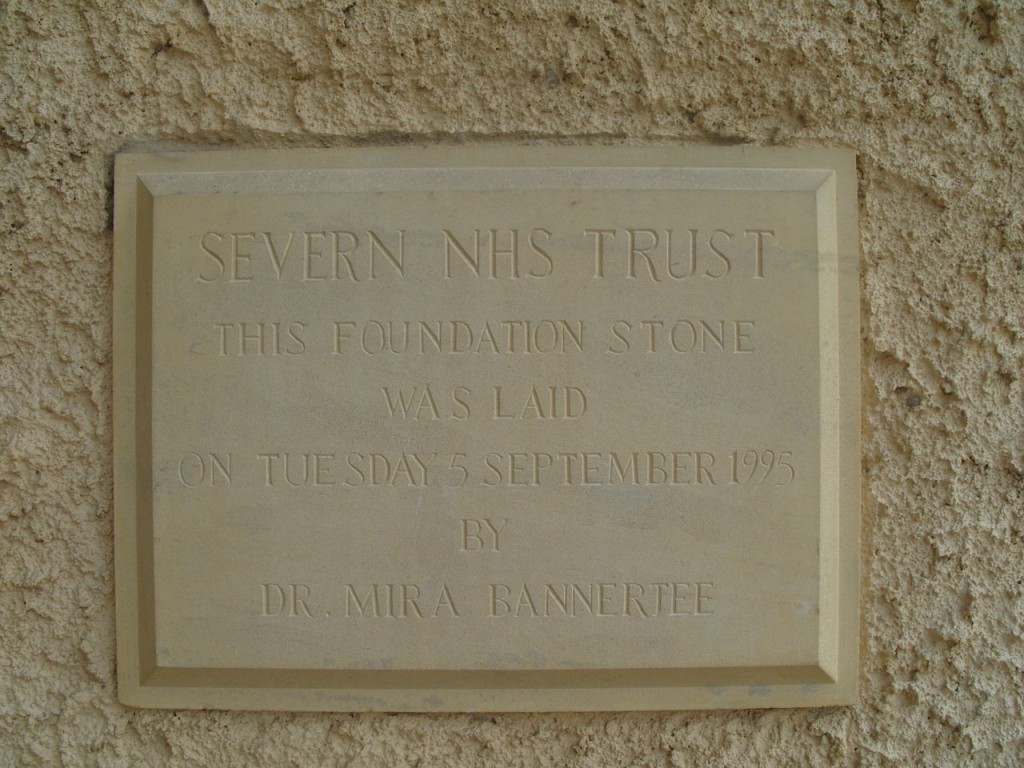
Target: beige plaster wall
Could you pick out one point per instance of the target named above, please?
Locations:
(930, 95)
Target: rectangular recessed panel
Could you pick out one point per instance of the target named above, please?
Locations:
(526, 428)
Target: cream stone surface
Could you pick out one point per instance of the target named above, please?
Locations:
(429, 423)
(929, 97)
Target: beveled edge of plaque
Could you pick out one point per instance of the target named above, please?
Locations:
(834, 681)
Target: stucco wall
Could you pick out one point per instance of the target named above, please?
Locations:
(929, 94)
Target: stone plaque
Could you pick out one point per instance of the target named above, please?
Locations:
(487, 428)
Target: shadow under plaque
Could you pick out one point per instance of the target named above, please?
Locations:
(487, 428)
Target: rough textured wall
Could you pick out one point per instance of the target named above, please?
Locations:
(930, 95)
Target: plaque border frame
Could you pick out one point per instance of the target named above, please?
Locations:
(831, 173)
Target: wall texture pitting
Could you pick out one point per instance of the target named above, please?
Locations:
(930, 94)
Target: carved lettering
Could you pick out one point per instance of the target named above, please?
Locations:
(459, 337)
(420, 403)
(285, 600)
(601, 468)
(322, 255)
(260, 339)
(630, 600)
(330, 469)
(682, 336)
(481, 535)
(602, 599)
(352, 470)
(197, 469)
(544, 402)
(398, 601)
(654, 254)
(496, 254)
